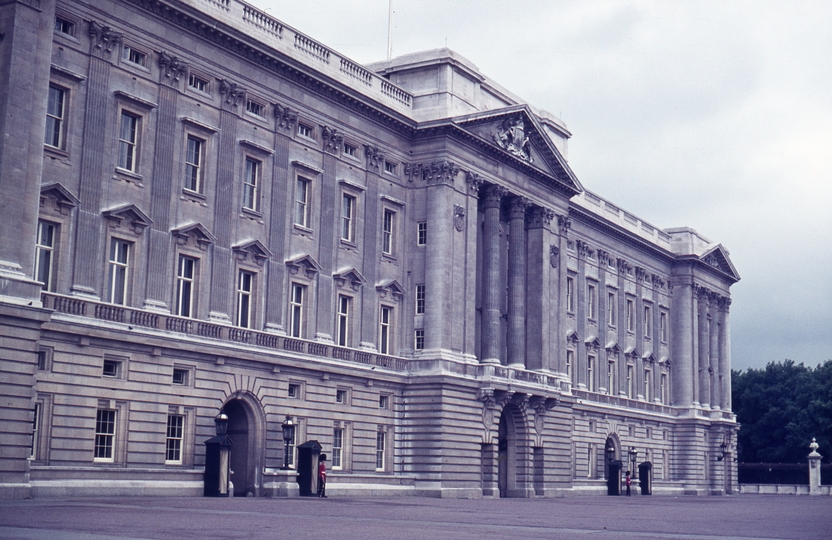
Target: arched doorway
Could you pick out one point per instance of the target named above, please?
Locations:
(245, 429)
(510, 451)
(612, 464)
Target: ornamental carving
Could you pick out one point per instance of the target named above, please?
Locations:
(486, 396)
(641, 273)
(459, 218)
(442, 172)
(285, 117)
(511, 137)
(517, 207)
(623, 266)
(554, 255)
(541, 405)
(414, 171)
(540, 217)
(582, 248)
(375, 157)
(564, 224)
(711, 260)
(658, 282)
(603, 257)
(232, 93)
(493, 195)
(474, 181)
(332, 139)
(172, 67)
(103, 37)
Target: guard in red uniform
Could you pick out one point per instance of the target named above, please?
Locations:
(628, 483)
(322, 476)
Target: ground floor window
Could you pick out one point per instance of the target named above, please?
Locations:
(173, 442)
(105, 433)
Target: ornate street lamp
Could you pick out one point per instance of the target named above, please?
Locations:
(221, 423)
(288, 434)
(633, 457)
(610, 451)
(723, 447)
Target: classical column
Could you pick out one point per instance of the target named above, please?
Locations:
(724, 355)
(541, 292)
(517, 282)
(714, 373)
(490, 350)
(704, 348)
(682, 316)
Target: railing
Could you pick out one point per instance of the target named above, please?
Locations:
(189, 327)
(356, 72)
(388, 89)
(622, 402)
(312, 48)
(263, 21)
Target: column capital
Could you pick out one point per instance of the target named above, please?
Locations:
(582, 248)
(540, 217)
(517, 207)
(475, 181)
(564, 224)
(493, 195)
(442, 172)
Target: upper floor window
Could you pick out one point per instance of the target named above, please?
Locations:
(663, 390)
(631, 315)
(648, 384)
(387, 230)
(193, 164)
(305, 130)
(55, 109)
(245, 290)
(648, 321)
(590, 373)
(570, 294)
(251, 183)
(302, 202)
(350, 150)
(118, 271)
(610, 377)
(630, 381)
(385, 334)
(64, 26)
(389, 167)
(185, 278)
(255, 108)
(197, 83)
(134, 56)
(663, 326)
(44, 254)
(343, 323)
(570, 364)
(128, 141)
(591, 301)
(296, 301)
(348, 218)
(611, 307)
(421, 233)
(420, 299)
(419, 339)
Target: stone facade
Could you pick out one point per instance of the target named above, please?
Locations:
(204, 209)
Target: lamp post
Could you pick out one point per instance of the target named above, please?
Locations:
(633, 456)
(723, 447)
(288, 434)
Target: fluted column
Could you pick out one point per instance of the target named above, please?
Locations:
(517, 282)
(714, 353)
(704, 348)
(724, 355)
(492, 198)
(683, 317)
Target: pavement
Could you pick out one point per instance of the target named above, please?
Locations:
(695, 518)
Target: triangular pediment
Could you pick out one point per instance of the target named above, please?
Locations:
(631, 352)
(390, 286)
(349, 276)
(592, 343)
(718, 259)
(252, 248)
(197, 231)
(130, 215)
(63, 197)
(572, 336)
(613, 349)
(304, 263)
(649, 358)
(517, 133)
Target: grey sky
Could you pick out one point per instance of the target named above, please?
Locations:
(711, 114)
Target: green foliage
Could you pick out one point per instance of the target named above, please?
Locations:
(781, 408)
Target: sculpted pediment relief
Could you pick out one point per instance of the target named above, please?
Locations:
(718, 259)
(517, 132)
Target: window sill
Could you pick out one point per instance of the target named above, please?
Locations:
(128, 176)
(387, 257)
(303, 231)
(56, 152)
(252, 214)
(193, 196)
(349, 245)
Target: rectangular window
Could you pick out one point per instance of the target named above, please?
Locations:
(294, 391)
(33, 448)
(630, 382)
(570, 294)
(197, 83)
(250, 184)
(648, 384)
(610, 378)
(420, 299)
(118, 271)
(663, 326)
(180, 376)
(111, 368)
(185, 275)
(105, 433)
(343, 323)
(348, 218)
(419, 339)
(291, 445)
(255, 108)
(631, 313)
(383, 402)
(611, 307)
(55, 107)
(341, 396)
(127, 141)
(304, 130)
(296, 310)
(590, 373)
(421, 233)
(591, 301)
(384, 330)
(43, 360)
(350, 150)
(387, 230)
(64, 26)
(245, 288)
(173, 440)
(133, 56)
(589, 462)
(193, 164)
(381, 439)
(663, 389)
(570, 365)
(389, 167)
(302, 202)
(44, 254)
(648, 321)
(337, 448)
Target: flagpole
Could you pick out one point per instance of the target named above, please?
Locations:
(390, 30)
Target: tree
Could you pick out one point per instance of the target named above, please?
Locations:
(780, 408)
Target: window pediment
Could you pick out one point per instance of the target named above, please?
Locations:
(130, 215)
(305, 264)
(254, 249)
(592, 342)
(631, 353)
(351, 277)
(64, 199)
(572, 337)
(201, 236)
(391, 287)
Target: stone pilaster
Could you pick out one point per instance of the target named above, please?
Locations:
(682, 319)
(581, 314)
(724, 355)
(492, 200)
(542, 292)
(280, 206)
(516, 339)
(714, 357)
(703, 338)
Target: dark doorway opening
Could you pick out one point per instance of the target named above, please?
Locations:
(238, 432)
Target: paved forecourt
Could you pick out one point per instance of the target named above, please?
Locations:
(698, 518)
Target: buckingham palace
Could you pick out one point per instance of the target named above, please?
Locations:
(206, 212)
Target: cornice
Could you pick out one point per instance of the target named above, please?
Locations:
(236, 42)
(579, 214)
